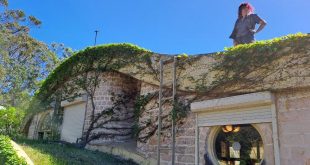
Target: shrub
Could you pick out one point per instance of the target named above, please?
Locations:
(8, 155)
(10, 120)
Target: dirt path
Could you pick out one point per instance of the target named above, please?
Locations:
(21, 153)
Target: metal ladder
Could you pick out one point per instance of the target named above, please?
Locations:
(161, 100)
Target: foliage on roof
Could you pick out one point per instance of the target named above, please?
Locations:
(250, 65)
(264, 46)
(233, 64)
(104, 57)
(263, 65)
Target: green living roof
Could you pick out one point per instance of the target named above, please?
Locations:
(118, 57)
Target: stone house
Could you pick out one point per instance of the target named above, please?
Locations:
(252, 108)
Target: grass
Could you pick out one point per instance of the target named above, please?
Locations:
(49, 153)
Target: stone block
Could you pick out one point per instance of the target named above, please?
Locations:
(292, 140)
(186, 158)
(185, 141)
(299, 104)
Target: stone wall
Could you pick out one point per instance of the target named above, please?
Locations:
(265, 130)
(293, 106)
(32, 132)
(294, 126)
(36, 121)
(117, 83)
(290, 69)
(185, 133)
(293, 116)
(185, 137)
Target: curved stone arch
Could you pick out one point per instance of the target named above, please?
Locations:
(265, 131)
(26, 126)
(210, 156)
(44, 121)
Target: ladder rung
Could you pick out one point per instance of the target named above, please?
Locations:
(168, 86)
(167, 98)
(165, 148)
(168, 83)
(168, 60)
(168, 67)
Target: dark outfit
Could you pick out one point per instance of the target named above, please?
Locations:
(244, 27)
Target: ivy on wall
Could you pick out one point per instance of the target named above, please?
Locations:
(248, 65)
(108, 57)
(111, 57)
(236, 65)
(177, 110)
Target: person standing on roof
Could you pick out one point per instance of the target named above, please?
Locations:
(244, 29)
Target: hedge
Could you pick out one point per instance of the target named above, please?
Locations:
(8, 156)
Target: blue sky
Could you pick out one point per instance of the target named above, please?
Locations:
(164, 26)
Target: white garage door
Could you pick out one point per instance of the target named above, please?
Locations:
(73, 120)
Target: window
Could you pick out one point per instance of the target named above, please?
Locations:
(239, 145)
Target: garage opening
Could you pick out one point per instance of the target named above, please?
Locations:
(73, 121)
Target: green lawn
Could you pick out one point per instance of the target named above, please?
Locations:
(49, 153)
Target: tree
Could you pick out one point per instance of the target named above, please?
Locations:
(24, 61)
(10, 120)
(61, 51)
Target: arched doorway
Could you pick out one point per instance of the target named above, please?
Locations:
(238, 145)
(44, 126)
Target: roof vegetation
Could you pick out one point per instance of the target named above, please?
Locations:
(112, 57)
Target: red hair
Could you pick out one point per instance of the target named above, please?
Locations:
(243, 6)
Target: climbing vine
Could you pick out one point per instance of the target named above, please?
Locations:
(240, 67)
(109, 57)
(145, 129)
(248, 65)
(139, 109)
(104, 58)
